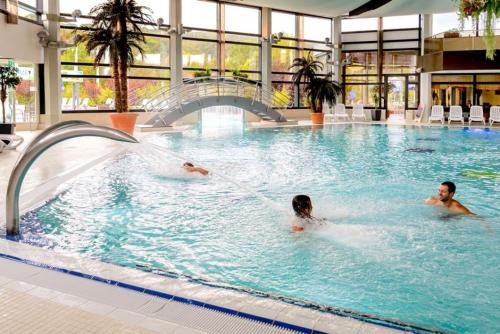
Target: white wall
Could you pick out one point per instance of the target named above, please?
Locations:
(19, 41)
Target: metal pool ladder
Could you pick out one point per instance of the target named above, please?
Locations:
(46, 139)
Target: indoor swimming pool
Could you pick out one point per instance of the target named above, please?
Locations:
(382, 252)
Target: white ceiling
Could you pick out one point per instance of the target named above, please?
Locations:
(333, 8)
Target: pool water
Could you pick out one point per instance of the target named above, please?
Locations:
(382, 251)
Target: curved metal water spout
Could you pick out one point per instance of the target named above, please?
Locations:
(51, 136)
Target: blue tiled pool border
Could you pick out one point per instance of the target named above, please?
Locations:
(349, 314)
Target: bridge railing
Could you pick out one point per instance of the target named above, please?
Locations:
(172, 98)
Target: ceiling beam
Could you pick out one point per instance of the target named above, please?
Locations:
(370, 5)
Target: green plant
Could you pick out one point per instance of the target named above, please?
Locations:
(237, 73)
(8, 79)
(203, 73)
(115, 31)
(388, 87)
(473, 9)
(318, 89)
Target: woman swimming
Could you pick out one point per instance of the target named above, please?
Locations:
(302, 206)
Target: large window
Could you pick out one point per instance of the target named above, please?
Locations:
(241, 44)
(309, 36)
(399, 62)
(199, 14)
(224, 39)
(401, 22)
(466, 90)
(86, 88)
(359, 24)
(21, 101)
(381, 73)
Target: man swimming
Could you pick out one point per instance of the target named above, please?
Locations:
(445, 199)
(192, 169)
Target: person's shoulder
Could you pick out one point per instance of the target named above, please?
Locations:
(459, 207)
(431, 200)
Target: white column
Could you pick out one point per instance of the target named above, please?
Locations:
(175, 43)
(266, 49)
(337, 50)
(426, 78)
(52, 69)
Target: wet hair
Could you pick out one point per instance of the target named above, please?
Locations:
(188, 164)
(300, 203)
(451, 186)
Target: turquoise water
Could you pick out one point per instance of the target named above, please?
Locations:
(382, 252)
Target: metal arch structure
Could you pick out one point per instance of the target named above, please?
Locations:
(46, 139)
(199, 93)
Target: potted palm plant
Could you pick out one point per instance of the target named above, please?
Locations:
(115, 31)
(9, 78)
(318, 89)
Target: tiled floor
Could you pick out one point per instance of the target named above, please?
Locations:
(26, 313)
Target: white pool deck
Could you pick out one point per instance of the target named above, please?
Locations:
(37, 296)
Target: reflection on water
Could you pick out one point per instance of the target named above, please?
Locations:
(383, 251)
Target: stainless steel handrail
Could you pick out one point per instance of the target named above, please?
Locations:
(48, 138)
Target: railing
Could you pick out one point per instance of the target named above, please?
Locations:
(165, 99)
(464, 33)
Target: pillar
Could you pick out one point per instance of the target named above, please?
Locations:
(52, 68)
(266, 49)
(175, 43)
(425, 78)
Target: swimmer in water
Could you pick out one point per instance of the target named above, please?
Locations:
(303, 208)
(192, 169)
(445, 199)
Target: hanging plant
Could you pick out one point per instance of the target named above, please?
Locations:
(473, 9)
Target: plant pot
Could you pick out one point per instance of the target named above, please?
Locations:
(7, 128)
(376, 113)
(451, 34)
(124, 121)
(317, 117)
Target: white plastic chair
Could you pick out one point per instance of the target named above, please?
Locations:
(456, 114)
(419, 114)
(494, 115)
(339, 111)
(437, 114)
(358, 112)
(13, 142)
(476, 115)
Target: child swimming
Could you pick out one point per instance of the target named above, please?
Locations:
(302, 206)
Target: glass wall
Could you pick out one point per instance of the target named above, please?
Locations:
(21, 101)
(86, 88)
(383, 73)
(241, 47)
(466, 90)
(302, 34)
(223, 40)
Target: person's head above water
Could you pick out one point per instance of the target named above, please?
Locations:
(302, 206)
(446, 191)
(188, 164)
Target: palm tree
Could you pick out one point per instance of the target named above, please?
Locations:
(8, 79)
(115, 30)
(318, 89)
(321, 90)
(307, 68)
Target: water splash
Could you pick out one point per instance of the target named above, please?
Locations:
(159, 164)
